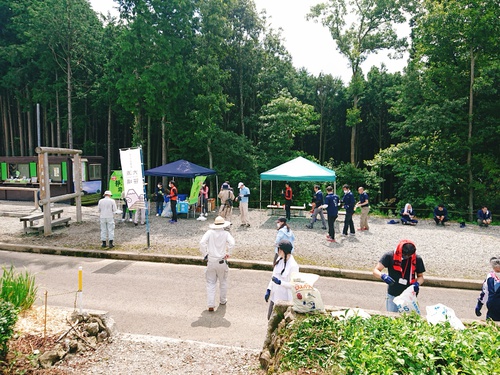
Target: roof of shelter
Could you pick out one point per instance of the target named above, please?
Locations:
(299, 169)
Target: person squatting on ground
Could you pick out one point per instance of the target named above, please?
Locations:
(404, 268)
(317, 203)
(173, 201)
(226, 197)
(107, 208)
(243, 198)
(440, 214)
(215, 246)
(365, 208)
(288, 200)
(160, 198)
(407, 215)
(204, 199)
(490, 293)
(332, 202)
(484, 217)
(284, 233)
(348, 203)
(280, 287)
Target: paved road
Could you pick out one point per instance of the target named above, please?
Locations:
(169, 300)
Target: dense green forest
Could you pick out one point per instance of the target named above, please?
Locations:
(209, 81)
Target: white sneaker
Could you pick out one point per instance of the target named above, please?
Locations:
(130, 220)
(199, 217)
(123, 220)
(205, 214)
(157, 214)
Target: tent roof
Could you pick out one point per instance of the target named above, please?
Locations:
(179, 168)
(299, 169)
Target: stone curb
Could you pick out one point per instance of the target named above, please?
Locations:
(233, 263)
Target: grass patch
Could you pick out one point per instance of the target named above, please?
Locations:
(18, 288)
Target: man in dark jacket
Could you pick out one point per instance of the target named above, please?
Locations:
(332, 201)
(317, 203)
(349, 203)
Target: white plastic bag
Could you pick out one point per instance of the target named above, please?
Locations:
(167, 211)
(407, 301)
(440, 313)
(306, 298)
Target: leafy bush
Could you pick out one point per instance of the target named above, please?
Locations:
(18, 289)
(386, 345)
(8, 318)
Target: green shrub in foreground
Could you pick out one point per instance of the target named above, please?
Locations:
(18, 288)
(8, 318)
(385, 345)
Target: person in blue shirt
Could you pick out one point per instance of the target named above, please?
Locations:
(317, 203)
(332, 202)
(484, 217)
(348, 202)
(440, 214)
(243, 198)
(365, 208)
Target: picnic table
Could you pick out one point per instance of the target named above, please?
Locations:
(31, 219)
(297, 209)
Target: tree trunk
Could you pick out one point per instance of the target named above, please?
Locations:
(148, 156)
(469, 137)
(20, 127)
(163, 146)
(30, 131)
(70, 118)
(108, 142)
(3, 104)
(45, 127)
(11, 127)
(58, 120)
(242, 117)
(353, 135)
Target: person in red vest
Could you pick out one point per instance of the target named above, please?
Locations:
(173, 201)
(288, 200)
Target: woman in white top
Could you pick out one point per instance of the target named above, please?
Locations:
(284, 233)
(280, 287)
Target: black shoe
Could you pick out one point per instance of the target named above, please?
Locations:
(103, 244)
(111, 244)
(309, 226)
(324, 228)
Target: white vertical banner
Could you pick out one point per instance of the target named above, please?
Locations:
(131, 162)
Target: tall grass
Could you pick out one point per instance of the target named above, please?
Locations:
(18, 288)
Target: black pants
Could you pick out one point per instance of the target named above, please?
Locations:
(173, 206)
(331, 223)
(348, 223)
(288, 203)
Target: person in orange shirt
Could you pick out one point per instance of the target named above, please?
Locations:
(173, 201)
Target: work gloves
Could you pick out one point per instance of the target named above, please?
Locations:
(387, 279)
(478, 308)
(276, 280)
(266, 296)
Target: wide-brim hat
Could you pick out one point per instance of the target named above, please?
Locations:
(219, 223)
(107, 192)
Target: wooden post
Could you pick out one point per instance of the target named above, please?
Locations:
(77, 165)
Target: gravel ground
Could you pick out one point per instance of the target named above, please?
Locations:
(450, 251)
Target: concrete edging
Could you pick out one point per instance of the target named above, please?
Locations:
(233, 263)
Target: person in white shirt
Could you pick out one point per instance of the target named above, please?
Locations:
(107, 208)
(280, 287)
(215, 246)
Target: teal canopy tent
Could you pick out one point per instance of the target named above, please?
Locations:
(298, 169)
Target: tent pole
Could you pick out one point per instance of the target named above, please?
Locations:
(260, 195)
(271, 193)
(216, 191)
(335, 187)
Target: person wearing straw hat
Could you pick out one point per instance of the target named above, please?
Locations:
(215, 246)
(107, 208)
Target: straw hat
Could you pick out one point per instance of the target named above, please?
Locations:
(219, 223)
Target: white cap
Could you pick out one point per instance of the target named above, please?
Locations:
(240, 184)
(107, 192)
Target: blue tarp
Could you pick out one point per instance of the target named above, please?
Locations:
(179, 168)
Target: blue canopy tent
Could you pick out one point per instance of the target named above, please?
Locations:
(180, 169)
(298, 169)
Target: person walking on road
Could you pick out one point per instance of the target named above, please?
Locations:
(215, 246)
(107, 208)
(404, 268)
(490, 293)
(348, 202)
(243, 198)
(332, 210)
(280, 287)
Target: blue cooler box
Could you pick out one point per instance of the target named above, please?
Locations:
(182, 207)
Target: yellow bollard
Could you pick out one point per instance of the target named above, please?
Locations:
(80, 279)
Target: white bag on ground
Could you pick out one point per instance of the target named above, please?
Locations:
(407, 301)
(440, 313)
(167, 210)
(306, 298)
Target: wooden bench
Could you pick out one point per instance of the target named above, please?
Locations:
(64, 221)
(39, 216)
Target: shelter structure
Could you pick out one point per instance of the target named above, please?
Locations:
(298, 169)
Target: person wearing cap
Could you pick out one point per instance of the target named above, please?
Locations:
(215, 246)
(226, 197)
(404, 268)
(490, 292)
(107, 208)
(243, 198)
(284, 233)
(280, 287)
